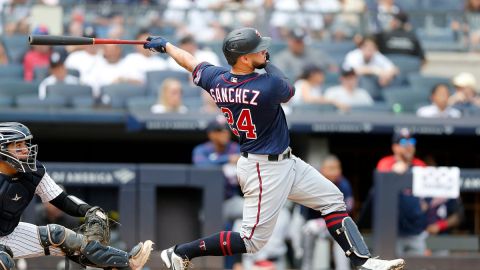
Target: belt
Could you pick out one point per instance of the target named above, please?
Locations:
(278, 157)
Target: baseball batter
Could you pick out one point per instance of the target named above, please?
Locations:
(21, 177)
(268, 172)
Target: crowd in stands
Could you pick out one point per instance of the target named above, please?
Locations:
(341, 55)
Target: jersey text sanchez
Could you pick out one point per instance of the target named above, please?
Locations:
(251, 104)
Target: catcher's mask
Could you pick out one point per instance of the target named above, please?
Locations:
(13, 132)
(243, 41)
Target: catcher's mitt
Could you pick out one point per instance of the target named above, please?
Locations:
(96, 226)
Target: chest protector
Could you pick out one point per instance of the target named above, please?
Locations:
(16, 192)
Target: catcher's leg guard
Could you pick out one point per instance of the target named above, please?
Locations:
(58, 236)
(354, 238)
(104, 256)
(6, 258)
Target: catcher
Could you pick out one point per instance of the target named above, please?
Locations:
(21, 177)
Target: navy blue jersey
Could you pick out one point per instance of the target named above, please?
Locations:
(251, 104)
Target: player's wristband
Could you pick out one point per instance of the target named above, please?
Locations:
(442, 225)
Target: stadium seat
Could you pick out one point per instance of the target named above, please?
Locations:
(378, 107)
(6, 101)
(15, 87)
(332, 78)
(33, 102)
(11, 71)
(155, 79)
(141, 103)
(82, 102)
(408, 99)
(419, 82)
(341, 47)
(406, 63)
(192, 92)
(16, 47)
(40, 73)
(313, 108)
(193, 103)
(116, 95)
(69, 90)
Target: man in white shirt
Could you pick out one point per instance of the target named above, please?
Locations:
(85, 59)
(368, 61)
(439, 106)
(188, 44)
(58, 74)
(110, 71)
(141, 61)
(348, 93)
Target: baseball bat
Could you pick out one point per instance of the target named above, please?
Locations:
(69, 40)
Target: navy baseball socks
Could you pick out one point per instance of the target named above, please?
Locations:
(336, 228)
(219, 244)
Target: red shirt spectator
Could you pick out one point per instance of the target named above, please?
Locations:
(37, 56)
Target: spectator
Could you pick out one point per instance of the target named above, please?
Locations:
(221, 151)
(412, 218)
(141, 61)
(348, 94)
(58, 74)
(376, 70)
(169, 98)
(315, 226)
(465, 98)
(188, 44)
(298, 55)
(3, 55)
(399, 39)
(37, 56)
(439, 106)
(86, 59)
(346, 24)
(469, 24)
(309, 88)
(384, 11)
(418, 217)
(110, 71)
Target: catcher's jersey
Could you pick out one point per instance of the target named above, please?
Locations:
(251, 104)
(17, 191)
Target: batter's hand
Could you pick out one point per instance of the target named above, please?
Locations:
(156, 43)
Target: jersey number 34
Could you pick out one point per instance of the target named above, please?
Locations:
(244, 123)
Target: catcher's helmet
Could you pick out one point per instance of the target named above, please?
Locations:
(11, 132)
(243, 41)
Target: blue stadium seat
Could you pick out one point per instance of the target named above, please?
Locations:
(341, 47)
(141, 103)
(11, 71)
(15, 87)
(155, 79)
(6, 101)
(332, 78)
(16, 47)
(40, 73)
(378, 107)
(69, 90)
(408, 99)
(116, 95)
(419, 82)
(313, 108)
(33, 102)
(193, 103)
(407, 64)
(192, 92)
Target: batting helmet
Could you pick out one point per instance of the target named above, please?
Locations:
(11, 132)
(243, 41)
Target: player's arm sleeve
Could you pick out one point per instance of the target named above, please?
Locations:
(47, 189)
(71, 205)
(204, 73)
(285, 89)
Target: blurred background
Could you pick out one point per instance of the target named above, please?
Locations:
(382, 86)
